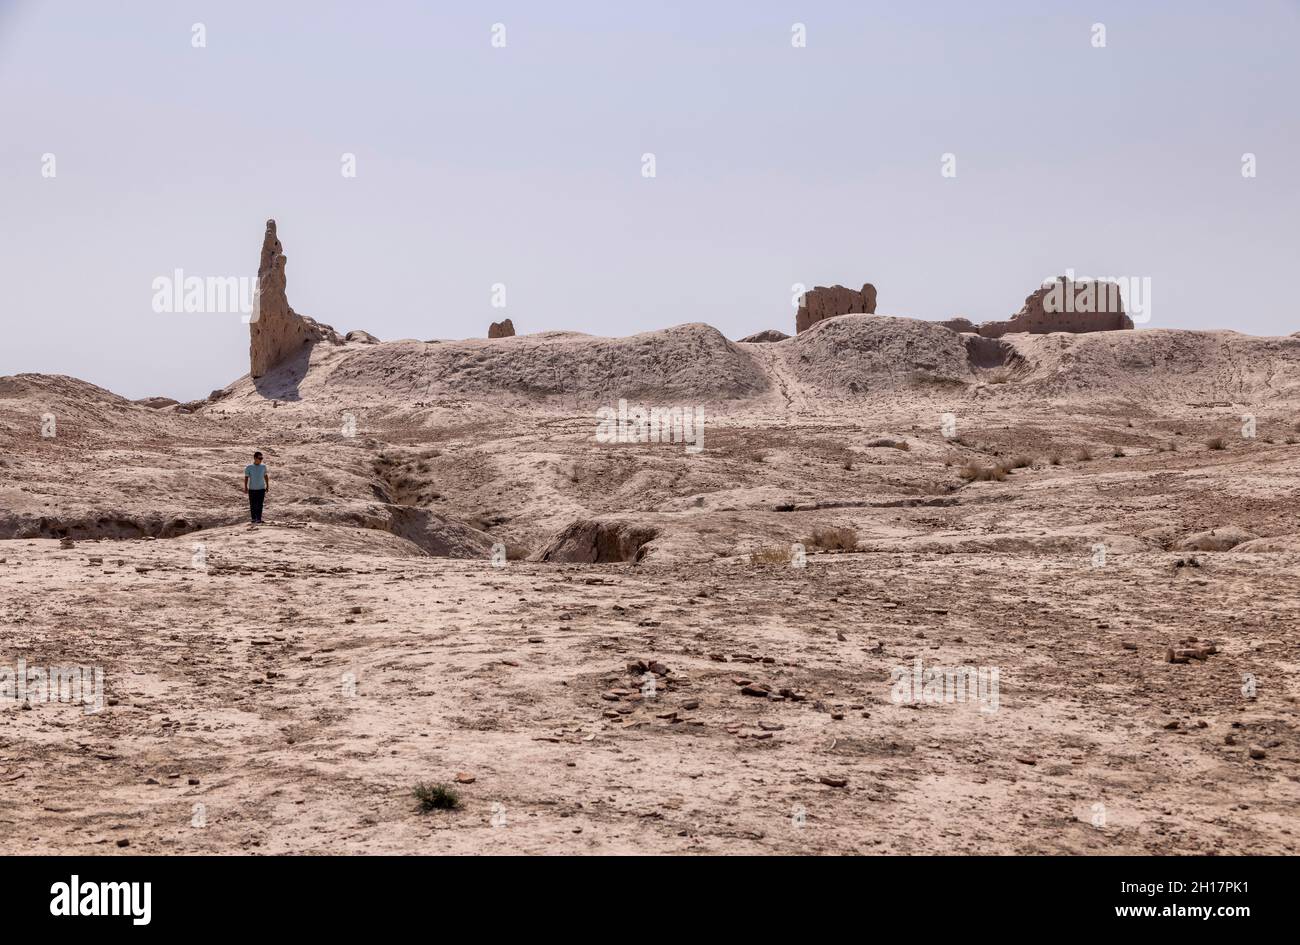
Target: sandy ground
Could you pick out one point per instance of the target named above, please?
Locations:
(284, 689)
(298, 697)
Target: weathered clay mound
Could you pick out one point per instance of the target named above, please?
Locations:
(1163, 365)
(688, 363)
(157, 403)
(1216, 539)
(56, 388)
(592, 542)
(438, 535)
(502, 329)
(1278, 543)
(764, 337)
(63, 412)
(115, 525)
(432, 533)
(857, 354)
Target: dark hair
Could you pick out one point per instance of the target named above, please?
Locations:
(257, 454)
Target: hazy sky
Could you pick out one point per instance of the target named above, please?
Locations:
(522, 165)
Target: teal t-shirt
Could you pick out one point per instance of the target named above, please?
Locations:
(256, 474)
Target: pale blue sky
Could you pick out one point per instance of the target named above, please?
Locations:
(522, 165)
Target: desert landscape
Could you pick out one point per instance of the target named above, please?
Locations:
(890, 586)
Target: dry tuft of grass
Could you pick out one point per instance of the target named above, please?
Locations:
(1054, 459)
(578, 473)
(974, 473)
(1085, 454)
(770, 554)
(833, 539)
(1117, 451)
(436, 797)
(1215, 443)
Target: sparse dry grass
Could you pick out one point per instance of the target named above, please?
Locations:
(833, 539)
(769, 555)
(973, 472)
(433, 797)
(1215, 443)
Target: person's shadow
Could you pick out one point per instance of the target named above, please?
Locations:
(281, 382)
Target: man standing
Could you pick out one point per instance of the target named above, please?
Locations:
(256, 481)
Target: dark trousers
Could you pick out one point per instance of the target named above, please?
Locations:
(255, 499)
